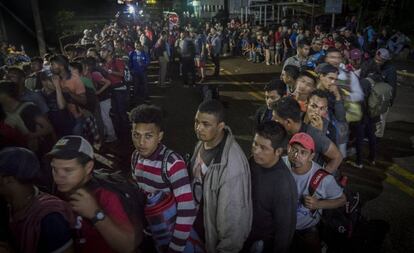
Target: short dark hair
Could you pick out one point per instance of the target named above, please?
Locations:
(9, 88)
(304, 42)
(213, 107)
(319, 93)
(76, 65)
(288, 108)
(274, 132)
(148, 114)
(17, 71)
(309, 74)
(60, 59)
(277, 85)
(37, 59)
(292, 71)
(326, 68)
(332, 50)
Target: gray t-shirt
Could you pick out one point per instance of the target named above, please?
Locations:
(321, 141)
(327, 189)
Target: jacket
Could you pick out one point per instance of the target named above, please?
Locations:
(227, 198)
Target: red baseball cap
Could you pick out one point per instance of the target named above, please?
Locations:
(303, 139)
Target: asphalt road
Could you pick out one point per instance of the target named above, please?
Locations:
(387, 190)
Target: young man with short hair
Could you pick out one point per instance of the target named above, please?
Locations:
(289, 75)
(103, 224)
(302, 53)
(328, 194)
(221, 182)
(147, 171)
(38, 222)
(287, 112)
(274, 192)
(305, 84)
(273, 91)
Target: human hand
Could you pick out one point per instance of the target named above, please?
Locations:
(335, 90)
(316, 121)
(84, 203)
(311, 203)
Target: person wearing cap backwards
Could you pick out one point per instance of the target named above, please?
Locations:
(302, 53)
(274, 192)
(38, 222)
(102, 222)
(287, 112)
(328, 194)
(273, 91)
(381, 64)
(305, 85)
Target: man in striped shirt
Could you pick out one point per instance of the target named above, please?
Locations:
(147, 165)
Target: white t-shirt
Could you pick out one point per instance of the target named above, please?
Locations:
(327, 189)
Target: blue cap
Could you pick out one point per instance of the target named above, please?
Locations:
(20, 163)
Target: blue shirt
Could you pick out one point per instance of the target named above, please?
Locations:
(138, 61)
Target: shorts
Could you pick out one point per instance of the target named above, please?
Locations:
(200, 62)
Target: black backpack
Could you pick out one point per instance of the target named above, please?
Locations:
(342, 220)
(131, 197)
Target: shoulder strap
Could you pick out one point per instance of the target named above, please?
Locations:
(316, 180)
(371, 81)
(164, 166)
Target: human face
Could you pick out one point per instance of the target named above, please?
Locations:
(317, 106)
(263, 152)
(271, 97)
(146, 137)
(69, 175)
(304, 87)
(317, 46)
(328, 80)
(334, 58)
(207, 127)
(304, 52)
(55, 68)
(35, 66)
(299, 156)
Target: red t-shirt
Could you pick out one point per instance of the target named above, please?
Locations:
(89, 239)
(115, 65)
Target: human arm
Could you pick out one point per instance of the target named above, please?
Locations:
(55, 234)
(234, 207)
(313, 203)
(120, 237)
(105, 84)
(186, 210)
(334, 158)
(284, 214)
(59, 95)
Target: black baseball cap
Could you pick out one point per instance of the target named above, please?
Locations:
(71, 146)
(20, 163)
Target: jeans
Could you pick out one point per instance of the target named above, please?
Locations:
(119, 110)
(106, 118)
(216, 61)
(188, 68)
(140, 86)
(365, 128)
(163, 69)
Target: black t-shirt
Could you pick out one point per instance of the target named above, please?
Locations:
(321, 141)
(274, 197)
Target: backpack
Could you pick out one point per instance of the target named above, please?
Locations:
(342, 220)
(379, 100)
(128, 192)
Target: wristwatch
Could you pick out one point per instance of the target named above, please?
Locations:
(99, 216)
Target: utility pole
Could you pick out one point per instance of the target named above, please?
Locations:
(38, 26)
(3, 31)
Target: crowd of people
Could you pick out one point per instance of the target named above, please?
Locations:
(57, 111)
